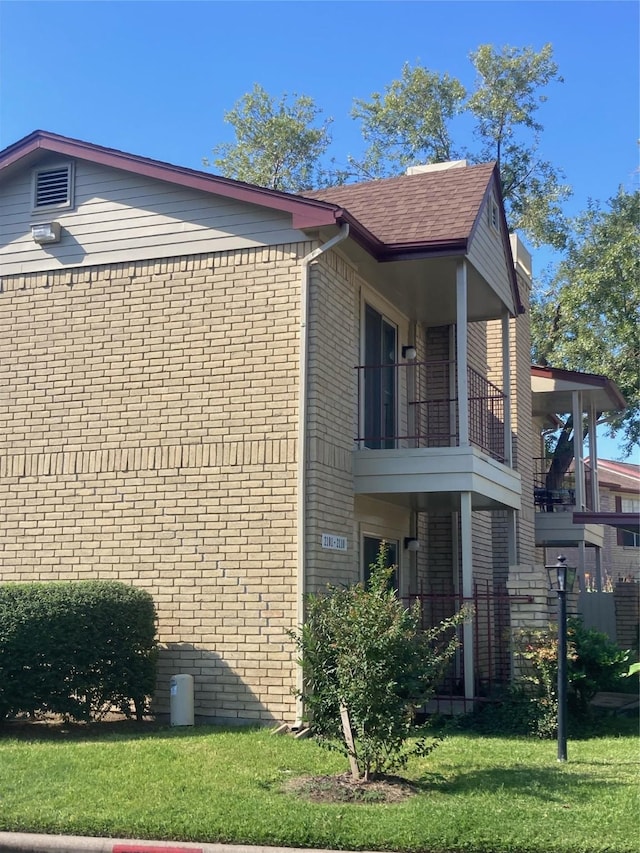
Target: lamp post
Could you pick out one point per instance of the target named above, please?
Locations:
(561, 579)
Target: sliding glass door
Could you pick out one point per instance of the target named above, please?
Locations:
(380, 350)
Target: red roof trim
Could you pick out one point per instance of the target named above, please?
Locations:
(622, 520)
(306, 213)
(588, 378)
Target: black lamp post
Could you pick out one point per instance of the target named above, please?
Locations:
(561, 579)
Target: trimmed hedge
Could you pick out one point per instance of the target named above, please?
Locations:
(76, 648)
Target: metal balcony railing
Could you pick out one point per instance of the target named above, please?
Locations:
(559, 496)
(415, 404)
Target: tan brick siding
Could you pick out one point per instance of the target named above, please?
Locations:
(148, 434)
(332, 419)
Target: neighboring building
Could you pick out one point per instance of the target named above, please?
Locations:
(229, 396)
(619, 487)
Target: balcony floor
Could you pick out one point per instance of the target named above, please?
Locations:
(556, 529)
(434, 477)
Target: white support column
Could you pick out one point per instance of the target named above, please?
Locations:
(512, 537)
(466, 532)
(598, 569)
(593, 458)
(582, 564)
(506, 388)
(462, 354)
(578, 448)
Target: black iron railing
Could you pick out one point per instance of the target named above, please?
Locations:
(415, 404)
(558, 494)
(491, 632)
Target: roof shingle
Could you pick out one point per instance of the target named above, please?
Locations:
(429, 207)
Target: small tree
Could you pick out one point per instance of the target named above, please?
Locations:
(367, 667)
(278, 143)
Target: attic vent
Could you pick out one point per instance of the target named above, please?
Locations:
(53, 187)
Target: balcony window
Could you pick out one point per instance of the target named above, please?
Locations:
(380, 386)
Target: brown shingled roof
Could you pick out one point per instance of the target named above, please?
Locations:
(430, 207)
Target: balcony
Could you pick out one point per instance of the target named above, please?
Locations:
(554, 524)
(428, 412)
(409, 439)
(561, 498)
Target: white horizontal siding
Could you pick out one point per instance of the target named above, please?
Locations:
(488, 256)
(119, 217)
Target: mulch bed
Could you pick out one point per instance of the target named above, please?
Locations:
(344, 789)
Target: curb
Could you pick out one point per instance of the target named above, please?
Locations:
(21, 842)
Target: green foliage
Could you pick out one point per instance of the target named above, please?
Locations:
(598, 664)
(75, 649)
(594, 664)
(364, 652)
(278, 145)
(586, 317)
(510, 87)
(409, 124)
(538, 651)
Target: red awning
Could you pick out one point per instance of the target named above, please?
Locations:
(622, 520)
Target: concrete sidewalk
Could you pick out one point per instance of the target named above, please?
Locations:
(22, 842)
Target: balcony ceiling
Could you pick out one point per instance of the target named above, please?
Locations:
(424, 289)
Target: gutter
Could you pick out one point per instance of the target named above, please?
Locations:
(302, 435)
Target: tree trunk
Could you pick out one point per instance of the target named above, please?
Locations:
(562, 458)
(348, 739)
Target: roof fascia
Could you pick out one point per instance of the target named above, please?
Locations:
(622, 520)
(494, 184)
(306, 213)
(386, 252)
(418, 251)
(592, 379)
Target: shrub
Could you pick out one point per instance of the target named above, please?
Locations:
(594, 663)
(598, 664)
(75, 649)
(367, 666)
(538, 649)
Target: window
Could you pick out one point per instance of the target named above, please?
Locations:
(628, 538)
(370, 549)
(380, 346)
(53, 187)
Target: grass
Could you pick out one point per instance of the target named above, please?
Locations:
(503, 795)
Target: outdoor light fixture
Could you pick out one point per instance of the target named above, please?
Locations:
(411, 544)
(409, 352)
(46, 232)
(561, 580)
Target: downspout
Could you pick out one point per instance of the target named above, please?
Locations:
(302, 436)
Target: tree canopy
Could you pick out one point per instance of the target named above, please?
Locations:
(586, 317)
(411, 123)
(282, 143)
(278, 144)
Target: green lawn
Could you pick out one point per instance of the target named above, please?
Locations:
(504, 795)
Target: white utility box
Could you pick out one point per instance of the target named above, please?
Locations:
(181, 700)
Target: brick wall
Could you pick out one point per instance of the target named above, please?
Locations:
(332, 420)
(148, 434)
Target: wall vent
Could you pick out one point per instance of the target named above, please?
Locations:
(53, 187)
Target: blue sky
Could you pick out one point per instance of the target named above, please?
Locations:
(155, 78)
